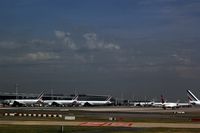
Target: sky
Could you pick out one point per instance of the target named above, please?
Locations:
(125, 48)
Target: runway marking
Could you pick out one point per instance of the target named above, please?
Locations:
(119, 124)
(103, 124)
(107, 124)
(95, 124)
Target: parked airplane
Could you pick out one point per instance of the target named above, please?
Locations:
(193, 99)
(24, 102)
(171, 105)
(165, 104)
(61, 102)
(94, 103)
(156, 104)
(143, 103)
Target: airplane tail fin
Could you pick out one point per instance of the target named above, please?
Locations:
(109, 98)
(40, 95)
(191, 96)
(177, 102)
(162, 99)
(189, 99)
(75, 98)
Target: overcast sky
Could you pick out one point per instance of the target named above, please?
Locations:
(124, 48)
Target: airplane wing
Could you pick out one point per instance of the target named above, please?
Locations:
(56, 103)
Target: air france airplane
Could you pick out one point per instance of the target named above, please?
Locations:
(193, 99)
(61, 102)
(94, 103)
(25, 102)
(166, 105)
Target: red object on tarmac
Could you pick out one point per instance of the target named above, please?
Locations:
(107, 124)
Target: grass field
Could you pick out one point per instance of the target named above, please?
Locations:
(72, 129)
(103, 119)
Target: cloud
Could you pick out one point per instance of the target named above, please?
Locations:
(32, 51)
(182, 59)
(28, 45)
(69, 42)
(41, 56)
(66, 40)
(8, 45)
(60, 34)
(37, 50)
(112, 46)
(29, 58)
(92, 42)
(37, 57)
(41, 42)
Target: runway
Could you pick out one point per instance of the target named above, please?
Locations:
(103, 124)
(129, 112)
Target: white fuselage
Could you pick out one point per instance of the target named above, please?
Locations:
(93, 103)
(59, 102)
(170, 105)
(24, 102)
(156, 104)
